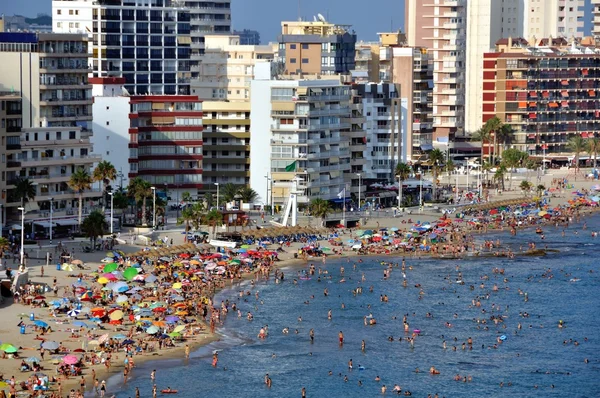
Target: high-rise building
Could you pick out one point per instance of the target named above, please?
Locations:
(547, 94)
(166, 141)
(248, 37)
(145, 41)
(316, 47)
(552, 18)
(226, 143)
(10, 150)
(596, 18)
(300, 136)
(51, 73)
(111, 124)
(206, 18)
(227, 68)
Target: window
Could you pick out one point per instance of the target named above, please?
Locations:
(292, 60)
(305, 46)
(58, 12)
(59, 24)
(304, 60)
(292, 46)
(70, 12)
(107, 123)
(76, 12)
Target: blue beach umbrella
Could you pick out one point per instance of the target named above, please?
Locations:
(41, 324)
(80, 324)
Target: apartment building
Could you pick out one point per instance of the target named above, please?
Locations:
(553, 18)
(248, 37)
(145, 41)
(206, 18)
(226, 143)
(547, 94)
(227, 68)
(166, 141)
(111, 124)
(316, 47)
(10, 148)
(596, 18)
(300, 137)
(51, 73)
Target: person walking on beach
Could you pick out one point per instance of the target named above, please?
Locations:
(103, 388)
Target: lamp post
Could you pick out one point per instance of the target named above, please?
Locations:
(22, 265)
(217, 184)
(544, 157)
(456, 186)
(267, 194)
(153, 207)
(359, 186)
(420, 190)
(120, 175)
(51, 211)
(111, 211)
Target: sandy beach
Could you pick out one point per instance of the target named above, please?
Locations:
(73, 338)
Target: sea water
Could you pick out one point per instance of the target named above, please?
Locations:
(539, 360)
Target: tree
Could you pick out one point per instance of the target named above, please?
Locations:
(320, 208)
(449, 167)
(228, 192)
(79, 182)
(593, 147)
(120, 200)
(106, 173)
(512, 158)
(247, 195)
(491, 128)
(4, 245)
(483, 136)
(540, 190)
(577, 145)
(505, 135)
(525, 186)
(94, 225)
(499, 175)
(24, 190)
(192, 215)
(140, 190)
(213, 218)
(402, 172)
(436, 158)
(186, 197)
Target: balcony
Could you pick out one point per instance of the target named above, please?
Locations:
(43, 144)
(59, 160)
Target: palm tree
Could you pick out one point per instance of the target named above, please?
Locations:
(106, 173)
(79, 182)
(120, 200)
(94, 225)
(499, 174)
(192, 215)
(436, 158)
(320, 208)
(403, 171)
(593, 147)
(577, 145)
(24, 190)
(540, 189)
(247, 194)
(213, 218)
(491, 127)
(525, 187)
(228, 192)
(505, 135)
(512, 158)
(483, 136)
(140, 189)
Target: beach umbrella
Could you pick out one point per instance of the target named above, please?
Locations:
(152, 330)
(103, 280)
(48, 345)
(121, 299)
(8, 348)
(32, 359)
(80, 324)
(110, 267)
(177, 285)
(110, 276)
(93, 342)
(70, 359)
(128, 341)
(119, 336)
(73, 313)
(179, 329)
(98, 312)
(103, 338)
(150, 279)
(119, 286)
(174, 334)
(116, 315)
(172, 319)
(67, 267)
(41, 324)
(130, 273)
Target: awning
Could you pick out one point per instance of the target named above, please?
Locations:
(584, 72)
(564, 93)
(44, 224)
(564, 103)
(531, 136)
(533, 104)
(533, 94)
(532, 116)
(523, 104)
(334, 174)
(66, 222)
(592, 93)
(426, 147)
(316, 91)
(184, 40)
(553, 105)
(564, 82)
(531, 147)
(584, 135)
(302, 90)
(545, 94)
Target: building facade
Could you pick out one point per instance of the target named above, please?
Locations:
(145, 41)
(248, 37)
(166, 141)
(306, 147)
(111, 124)
(227, 68)
(596, 18)
(226, 143)
(51, 73)
(546, 94)
(317, 47)
(11, 109)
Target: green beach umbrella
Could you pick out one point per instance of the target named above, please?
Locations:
(359, 232)
(9, 349)
(326, 249)
(110, 267)
(245, 246)
(174, 334)
(235, 262)
(130, 273)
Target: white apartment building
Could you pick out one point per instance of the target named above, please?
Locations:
(145, 41)
(227, 68)
(553, 18)
(111, 124)
(299, 131)
(206, 18)
(596, 18)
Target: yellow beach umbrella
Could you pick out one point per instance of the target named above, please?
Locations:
(179, 329)
(103, 281)
(116, 315)
(177, 285)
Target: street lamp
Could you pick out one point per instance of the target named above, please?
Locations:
(544, 158)
(359, 185)
(51, 211)
(153, 207)
(111, 211)
(420, 190)
(217, 184)
(22, 265)
(267, 195)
